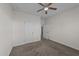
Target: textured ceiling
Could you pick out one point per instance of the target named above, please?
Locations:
(31, 8)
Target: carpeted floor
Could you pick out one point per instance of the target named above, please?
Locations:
(43, 48)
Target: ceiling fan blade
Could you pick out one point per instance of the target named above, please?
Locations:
(41, 4)
(45, 12)
(40, 10)
(52, 8)
(49, 4)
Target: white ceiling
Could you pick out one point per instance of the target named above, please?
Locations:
(32, 8)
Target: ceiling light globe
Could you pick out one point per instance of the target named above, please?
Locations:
(46, 8)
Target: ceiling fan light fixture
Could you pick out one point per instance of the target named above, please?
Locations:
(46, 8)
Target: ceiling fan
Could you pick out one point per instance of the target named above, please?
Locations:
(46, 7)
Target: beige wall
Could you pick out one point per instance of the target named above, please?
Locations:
(26, 28)
(5, 29)
(64, 28)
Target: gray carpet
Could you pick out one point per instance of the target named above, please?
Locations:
(43, 48)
